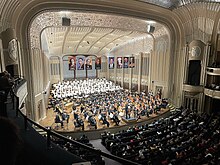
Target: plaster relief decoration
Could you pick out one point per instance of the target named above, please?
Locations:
(126, 79)
(196, 51)
(134, 80)
(161, 32)
(13, 49)
(161, 46)
(143, 81)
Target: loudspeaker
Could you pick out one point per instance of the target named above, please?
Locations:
(150, 29)
(65, 21)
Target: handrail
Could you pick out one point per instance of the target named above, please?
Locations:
(53, 133)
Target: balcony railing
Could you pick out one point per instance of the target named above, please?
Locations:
(213, 71)
(212, 93)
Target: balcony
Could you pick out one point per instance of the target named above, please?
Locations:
(212, 93)
(192, 89)
(213, 71)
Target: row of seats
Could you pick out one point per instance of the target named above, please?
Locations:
(183, 138)
(79, 151)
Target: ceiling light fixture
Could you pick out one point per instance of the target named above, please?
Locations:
(150, 22)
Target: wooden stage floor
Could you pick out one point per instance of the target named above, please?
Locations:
(49, 122)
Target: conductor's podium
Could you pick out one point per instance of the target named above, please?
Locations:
(129, 120)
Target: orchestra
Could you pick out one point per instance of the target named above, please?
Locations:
(99, 100)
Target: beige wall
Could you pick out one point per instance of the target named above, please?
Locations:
(200, 22)
(160, 62)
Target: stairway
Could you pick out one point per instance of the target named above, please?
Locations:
(171, 107)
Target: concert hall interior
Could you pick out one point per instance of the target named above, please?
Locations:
(110, 82)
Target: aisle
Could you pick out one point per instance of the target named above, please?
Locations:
(97, 144)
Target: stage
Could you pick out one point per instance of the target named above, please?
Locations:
(105, 110)
(93, 133)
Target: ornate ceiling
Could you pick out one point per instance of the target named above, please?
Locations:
(89, 33)
(112, 29)
(87, 40)
(171, 4)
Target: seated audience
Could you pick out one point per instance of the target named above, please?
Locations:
(183, 138)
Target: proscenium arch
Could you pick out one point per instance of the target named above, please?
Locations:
(124, 7)
(144, 11)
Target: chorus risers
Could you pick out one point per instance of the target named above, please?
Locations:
(191, 88)
(212, 93)
(213, 71)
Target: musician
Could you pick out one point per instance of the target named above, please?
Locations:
(82, 108)
(75, 115)
(92, 121)
(64, 116)
(136, 114)
(113, 116)
(79, 123)
(126, 111)
(102, 117)
(58, 120)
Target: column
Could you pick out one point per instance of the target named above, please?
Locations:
(61, 68)
(130, 78)
(150, 70)
(122, 72)
(186, 64)
(140, 71)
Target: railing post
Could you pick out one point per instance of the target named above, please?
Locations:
(17, 105)
(48, 138)
(13, 101)
(12, 96)
(25, 122)
(99, 152)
